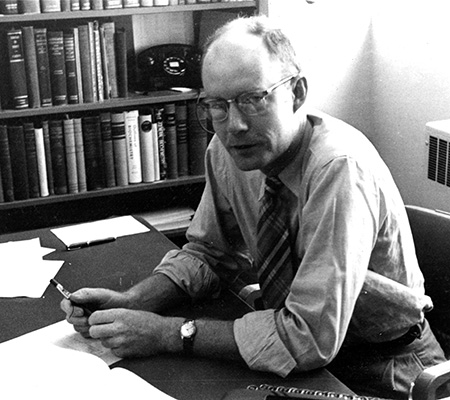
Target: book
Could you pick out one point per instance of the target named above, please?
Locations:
(48, 6)
(9, 7)
(74, 5)
(104, 60)
(155, 146)
(2, 197)
(112, 4)
(98, 62)
(133, 146)
(86, 66)
(130, 3)
(5, 165)
(170, 144)
(48, 157)
(41, 161)
(120, 147)
(108, 151)
(71, 157)
(16, 140)
(43, 66)
(65, 5)
(108, 29)
(76, 43)
(31, 155)
(121, 62)
(182, 138)
(79, 151)
(198, 140)
(96, 4)
(58, 76)
(58, 155)
(93, 152)
(161, 142)
(31, 68)
(147, 150)
(92, 59)
(71, 67)
(85, 5)
(18, 75)
(29, 6)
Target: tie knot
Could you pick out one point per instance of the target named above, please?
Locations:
(273, 184)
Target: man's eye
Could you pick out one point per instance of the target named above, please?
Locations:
(253, 99)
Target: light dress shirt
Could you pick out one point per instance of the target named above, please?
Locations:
(358, 278)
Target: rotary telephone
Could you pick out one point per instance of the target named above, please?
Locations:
(169, 65)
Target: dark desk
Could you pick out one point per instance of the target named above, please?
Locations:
(118, 265)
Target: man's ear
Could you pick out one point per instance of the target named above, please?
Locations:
(300, 91)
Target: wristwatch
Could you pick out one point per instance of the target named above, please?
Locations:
(188, 331)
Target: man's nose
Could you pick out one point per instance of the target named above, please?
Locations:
(237, 120)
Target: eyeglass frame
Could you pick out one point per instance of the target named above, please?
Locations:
(262, 94)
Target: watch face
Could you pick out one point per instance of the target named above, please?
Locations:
(188, 329)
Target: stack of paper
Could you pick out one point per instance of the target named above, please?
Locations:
(24, 272)
(170, 219)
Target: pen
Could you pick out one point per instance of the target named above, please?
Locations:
(82, 245)
(87, 308)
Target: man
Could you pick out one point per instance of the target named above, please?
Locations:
(341, 285)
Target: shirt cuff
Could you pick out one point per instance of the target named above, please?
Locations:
(260, 345)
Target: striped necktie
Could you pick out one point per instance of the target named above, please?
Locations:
(273, 260)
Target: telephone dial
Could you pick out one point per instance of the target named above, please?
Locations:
(169, 65)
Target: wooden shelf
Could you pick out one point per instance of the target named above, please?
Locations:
(124, 12)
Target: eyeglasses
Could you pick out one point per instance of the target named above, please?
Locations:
(251, 103)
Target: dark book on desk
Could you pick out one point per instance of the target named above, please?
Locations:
(18, 74)
(5, 165)
(58, 155)
(198, 141)
(120, 147)
(29, 47)
(121, 62)
(43, 66)
(93, 152)
(17, 150)
(108, 151)
(71, 67)
(58, 76)
(29, 6)
(9, 7)
(182, 138)
(32, 166)
(170, 140)
(86, 66)
(48, 156)
(71, 157)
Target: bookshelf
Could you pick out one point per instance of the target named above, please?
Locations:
(55, 209)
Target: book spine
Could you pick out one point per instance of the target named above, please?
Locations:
(29, 6)
(86, 69)
(17, 150)
(48, 157)
(79, 150)
(58, 156)
(182, 138)
(8, 7)
(5, 165)
(71, 157)
(2, 197)
(41, 161)
(98, 62)
(65, 5)
(133, 146)
(197, 141)
(155, 147)
(43, 65)
(58, 76)
(74, 5)
(96, 4)
(48, 6)
(31, 68)
(171, 140)
(121, 62)
(85, 5)
(32, 167)
(17, 69)
(108, 152)
(93, 154)
(71, 68)
(147, 151)
(76, 44)
(104, 59)
(120, 147)
(93, 60)
(109, 32)
(161, 143)
(112, 4)
(130, 3)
